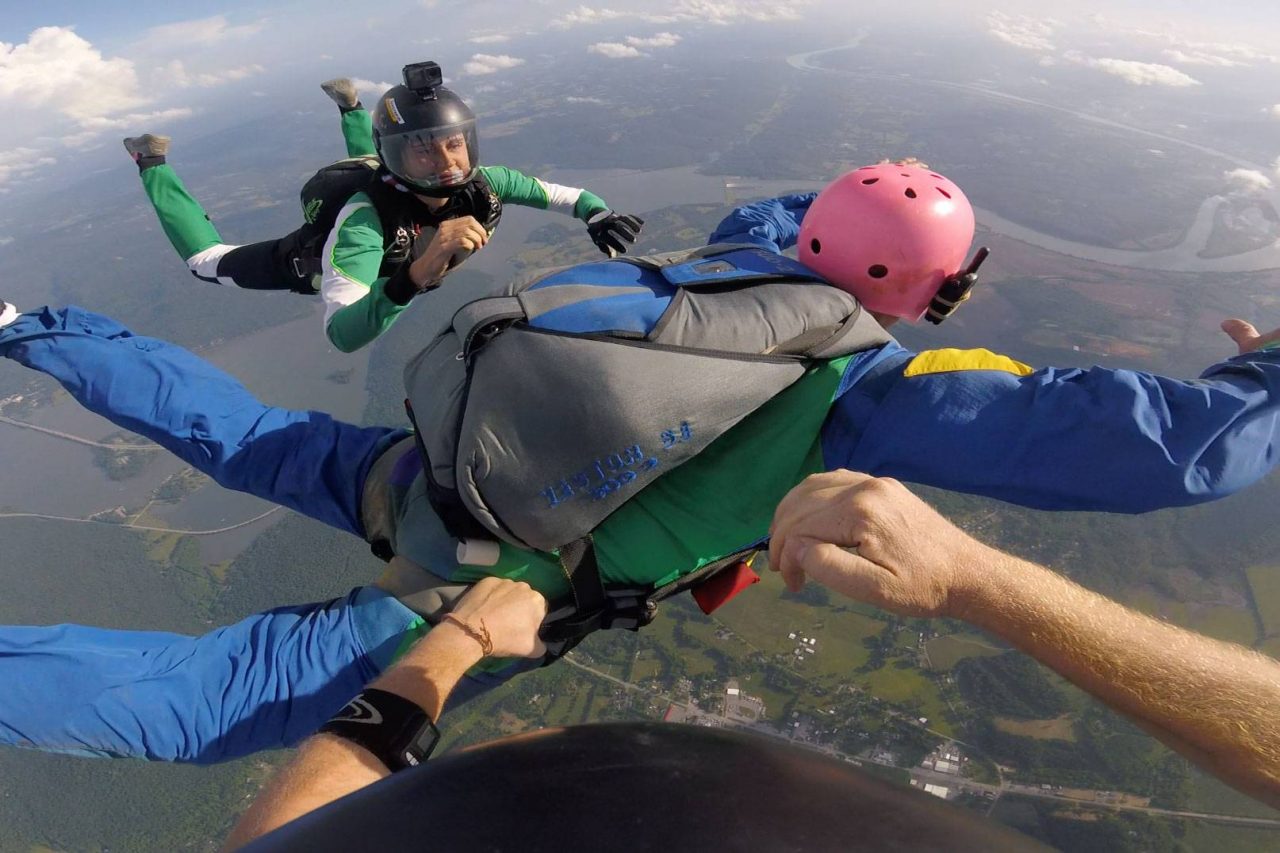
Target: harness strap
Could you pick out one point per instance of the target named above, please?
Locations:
(306, 265)
(626, 608)
(578, 560)
(460, 523)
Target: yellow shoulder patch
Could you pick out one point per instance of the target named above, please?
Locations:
(951, 360)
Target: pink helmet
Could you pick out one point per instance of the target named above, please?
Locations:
(890, 235)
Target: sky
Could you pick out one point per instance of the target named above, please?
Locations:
(76, 76)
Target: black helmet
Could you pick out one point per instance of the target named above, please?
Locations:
(418, 125)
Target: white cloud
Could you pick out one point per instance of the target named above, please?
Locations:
(177, 74)
(1273, 110)
(1136, 73)
(1144, 73)
(1222, 54)
(496, 38)
(1021, 31)
(631, 49)
(729, 11)
(203, 32)
(22, 162)
(85, 140)
(573, 99)
(1198, 57)
(1247, 180)
(586, 15)
(1275, 167)
(369, 87)
(614, 50)
(128, 122)
(660, 40)
(57, 69)
(483, 63)
(694, 11)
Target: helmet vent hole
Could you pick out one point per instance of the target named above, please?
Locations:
(939, 177)
(944, 192)
(910, 193)
(815, 246)
(869, 181)
(877, 271)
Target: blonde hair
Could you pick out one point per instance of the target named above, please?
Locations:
(905, 161)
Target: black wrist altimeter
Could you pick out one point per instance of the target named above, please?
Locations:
(395, 730)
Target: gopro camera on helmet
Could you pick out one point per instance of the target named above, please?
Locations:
(423, 78)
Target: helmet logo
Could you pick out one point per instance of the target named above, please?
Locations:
(392, 110)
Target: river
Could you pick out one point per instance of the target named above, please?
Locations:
(1184, 257)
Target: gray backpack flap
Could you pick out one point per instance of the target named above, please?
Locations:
(542, 412)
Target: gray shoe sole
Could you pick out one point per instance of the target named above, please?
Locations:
(147, 145)
(341, 91)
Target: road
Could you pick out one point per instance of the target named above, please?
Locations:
(75, 438)
(131, 526)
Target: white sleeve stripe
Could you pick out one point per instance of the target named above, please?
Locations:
(559, 196)
(337, 289)
(339, 292)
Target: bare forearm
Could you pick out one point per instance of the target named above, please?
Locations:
(1215, 702)
(324, 769)
(327, 767)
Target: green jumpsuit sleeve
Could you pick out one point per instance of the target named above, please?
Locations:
(518, 188)
(183, 219)
(357, 308)
(357, 132)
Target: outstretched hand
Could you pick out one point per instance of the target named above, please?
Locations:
(872, 540)
(613, 232)
(1247, 337)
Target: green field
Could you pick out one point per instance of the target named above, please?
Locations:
(1265, 583)
(1233, 624)
(644, 667)
(1224, 622)
(1205, 837)
(896, 775)
(946, 652)
(1213, 797)
(1059, 728)
(702, 632)
(765, 619)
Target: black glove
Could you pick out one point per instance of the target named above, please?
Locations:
(613, 232)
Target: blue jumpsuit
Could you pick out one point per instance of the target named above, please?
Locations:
(1092, 439)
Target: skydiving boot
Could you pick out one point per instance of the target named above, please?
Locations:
(147, 150)
(343, 93)
(8, 313)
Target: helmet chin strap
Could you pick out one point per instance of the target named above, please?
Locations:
(444, 192)
(955, 289)
(435, 192)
